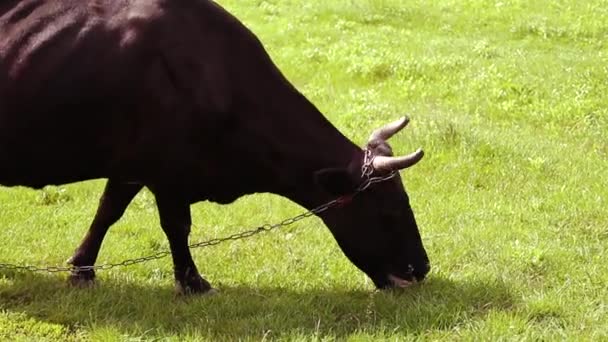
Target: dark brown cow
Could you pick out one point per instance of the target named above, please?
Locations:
(180, 97)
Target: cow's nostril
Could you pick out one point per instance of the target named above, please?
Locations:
(421, 272)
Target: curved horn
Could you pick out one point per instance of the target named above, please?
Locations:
(389, 130)
(383, 163)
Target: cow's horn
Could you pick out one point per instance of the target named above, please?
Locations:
(383, 163)
(389, 130)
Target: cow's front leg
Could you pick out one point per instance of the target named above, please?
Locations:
(176, 221)
(115, 199)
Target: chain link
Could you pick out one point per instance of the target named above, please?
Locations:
(367, 170)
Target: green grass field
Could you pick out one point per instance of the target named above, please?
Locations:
(509, 100)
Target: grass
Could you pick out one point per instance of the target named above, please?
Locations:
(509, 101)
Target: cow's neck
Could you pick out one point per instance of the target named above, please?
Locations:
(293, 140)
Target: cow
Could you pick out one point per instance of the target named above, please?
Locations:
(180, 97)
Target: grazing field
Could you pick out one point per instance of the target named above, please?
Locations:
(509, 100)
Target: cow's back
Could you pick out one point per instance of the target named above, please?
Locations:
(66, 83)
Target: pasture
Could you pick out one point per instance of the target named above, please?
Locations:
(508, 99)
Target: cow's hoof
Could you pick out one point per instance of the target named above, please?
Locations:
(194, 285)
(82, 279)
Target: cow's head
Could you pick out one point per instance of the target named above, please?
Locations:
(377, 230)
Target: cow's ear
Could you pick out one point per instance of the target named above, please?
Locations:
(335, 181)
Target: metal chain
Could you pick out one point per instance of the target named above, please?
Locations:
(367, 170)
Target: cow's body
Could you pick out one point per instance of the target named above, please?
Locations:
(125, 93)
(174, 95)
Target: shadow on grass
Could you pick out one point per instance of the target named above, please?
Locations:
(243, 312)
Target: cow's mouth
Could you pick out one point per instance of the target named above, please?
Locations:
(397, 282)
(393, 281)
